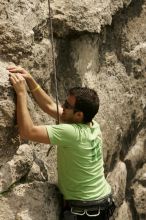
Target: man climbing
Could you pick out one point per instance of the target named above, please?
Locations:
(81, 180)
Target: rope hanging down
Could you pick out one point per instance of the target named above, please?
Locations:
(53, 60)
(54, 67)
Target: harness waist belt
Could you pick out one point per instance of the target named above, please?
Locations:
(106, 201)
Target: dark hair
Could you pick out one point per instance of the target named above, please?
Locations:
(87, 101)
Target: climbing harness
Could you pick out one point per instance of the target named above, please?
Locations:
(76, 211)
(53, 60)
(91, 209)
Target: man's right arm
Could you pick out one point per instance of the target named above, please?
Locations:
(44, 101)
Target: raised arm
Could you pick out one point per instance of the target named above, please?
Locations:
(44, 101)
(27, 129)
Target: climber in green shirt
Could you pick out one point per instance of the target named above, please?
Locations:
(81, 180)
(80, 161)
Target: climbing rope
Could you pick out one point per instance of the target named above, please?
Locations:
(53, 61)
(50, 27)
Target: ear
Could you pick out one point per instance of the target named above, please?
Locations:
(79, 116)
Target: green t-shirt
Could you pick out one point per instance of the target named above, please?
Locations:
(79, 160)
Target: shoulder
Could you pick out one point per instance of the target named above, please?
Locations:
(62, 133)
(63, 129)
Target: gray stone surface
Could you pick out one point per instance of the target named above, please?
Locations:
(31, 201)
(124, 212)
(15, 169)
(117, 178)
(136, 154)
(84, 15)
(139, 188)
(101, 44)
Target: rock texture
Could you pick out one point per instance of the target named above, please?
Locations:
(101, 44)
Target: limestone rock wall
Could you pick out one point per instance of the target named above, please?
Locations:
(101, 44)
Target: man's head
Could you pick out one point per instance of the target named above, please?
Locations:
(81, 105)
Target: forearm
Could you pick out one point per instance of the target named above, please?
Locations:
(24, 121)
(27, 130)
(44, 101)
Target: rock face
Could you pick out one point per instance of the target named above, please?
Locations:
(101, 44)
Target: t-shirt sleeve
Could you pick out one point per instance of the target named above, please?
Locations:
(62, 134)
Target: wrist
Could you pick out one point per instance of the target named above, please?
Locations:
(29, 78)
(37, 87)
(21, 94)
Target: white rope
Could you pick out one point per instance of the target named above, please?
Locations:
(54, 68)
(53, 60)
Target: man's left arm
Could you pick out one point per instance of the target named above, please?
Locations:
(27, 129)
